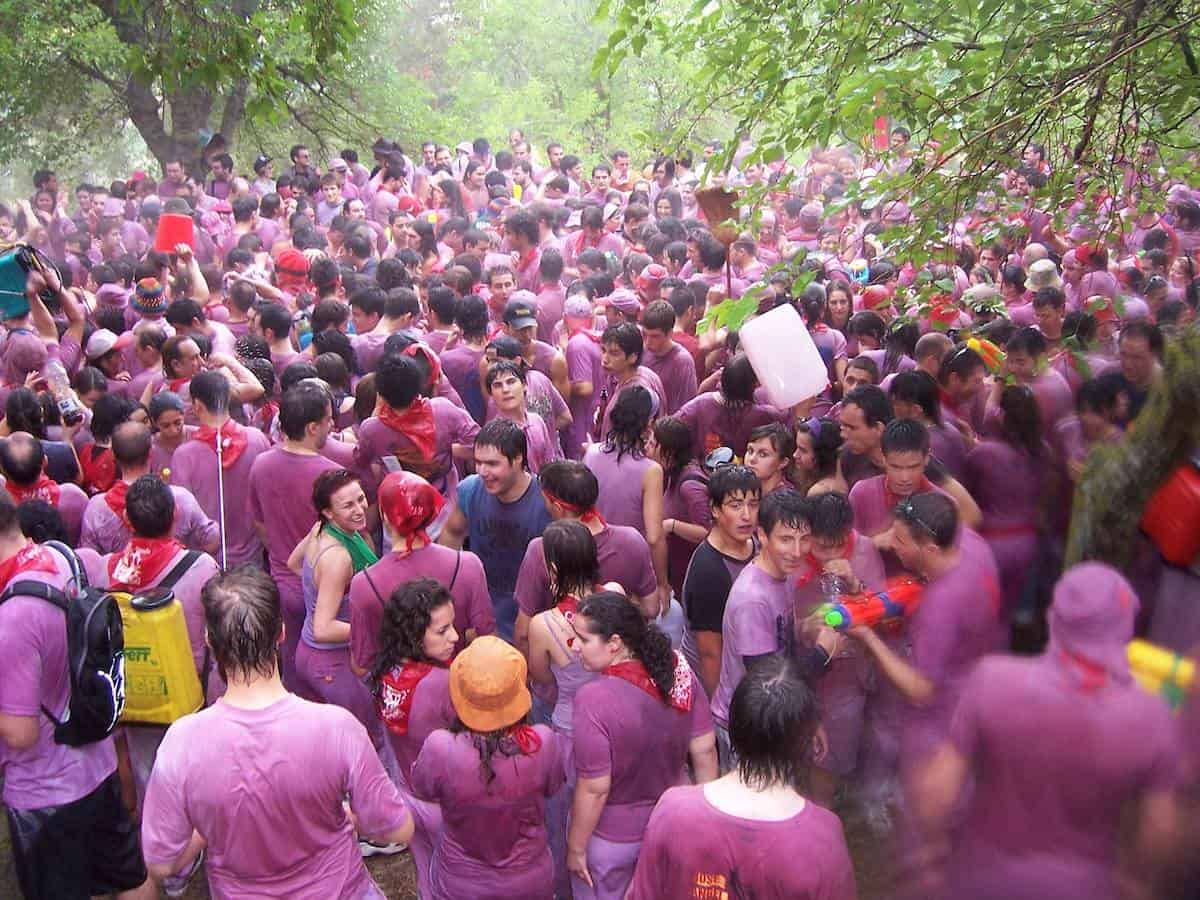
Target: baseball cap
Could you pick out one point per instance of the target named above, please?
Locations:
(577, 306)
(104, 341)
(519, 314)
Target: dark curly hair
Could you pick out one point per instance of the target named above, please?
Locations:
(628, 418)
(406, 616)
(609, 613)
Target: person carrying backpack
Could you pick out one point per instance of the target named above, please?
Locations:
(72, 838)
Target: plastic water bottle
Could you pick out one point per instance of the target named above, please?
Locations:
(60, 387)
(832, 587)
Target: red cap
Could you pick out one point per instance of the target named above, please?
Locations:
(876, 296)
(291, 261)
(409, 503)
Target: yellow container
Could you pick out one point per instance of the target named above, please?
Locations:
(161, 684)
(1161, 671)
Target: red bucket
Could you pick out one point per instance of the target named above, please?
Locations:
(174, 229)
(1172, 517)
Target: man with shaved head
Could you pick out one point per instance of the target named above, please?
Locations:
(23, 464)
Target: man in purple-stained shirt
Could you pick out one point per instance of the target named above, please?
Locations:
(570, 490)
(865, 413)
(961, 377)
(1060, 748)
(585, 370)
(298, 763)
(621, 350)
(224, 499)
(411, 431)
(954, 626)
(280, 498)
(105, 526)
(904, 447)
(23, 464)
(760, 614)
(275, 324)
(54, 793)
(550, 294)
(667, 359)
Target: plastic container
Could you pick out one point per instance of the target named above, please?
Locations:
(1172, 517)
(784, 357)
(60, 388)
(174, 229)
(161, 684)
(900, 599)
(1161, 671)
(13, 278)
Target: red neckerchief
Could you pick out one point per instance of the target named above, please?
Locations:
(634, 671)
(176, 384)
(815, 566)
(526, 738)
(415, 423)
(586, 516)
(1091, 676)
(891, 500)
(949, 402)
(141, 562)
(526, 261)
(233, 441)
(99, 468)
(396, 692)
(586, 332)
(44, 488)
(30, 558)
(115, 498)
(569, 606)
(583, 241)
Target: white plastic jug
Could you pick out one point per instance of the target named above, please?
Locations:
(784, 357)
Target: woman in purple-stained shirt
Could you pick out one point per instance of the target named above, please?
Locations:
(491, 772)
(751, 833)
(326, 561)
(725, 418)
(1006, 475)
(411, 683)
(631, 484)
(1062, 751)
(687, 513)
(634, 729)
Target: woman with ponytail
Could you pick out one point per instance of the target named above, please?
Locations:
(631, 483)
(1005, 473)
(491, 772)
(634, 729)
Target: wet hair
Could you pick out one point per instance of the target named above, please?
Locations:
(1022, 425)
(327, 484)
(867, 323)
(729, 480)
(243, 620)
(507, 437)
(930, 516)
(781, 438)
(275, 317)
(904, 436)
(296, 372)
(108, 412)
(773, 719)
(503, 367)
(1049, 296)
(211, 389)
(472, 316)
(611, 614)
(627, 336)
(874, 403)
(738, 382)
(918, 387)
(570, 552)
(571, 482)
(786, 507)
(830, 515)
(827, 442)
(335, 359)
(150, 507)
(407, 615)
(23, 412)
(676, 446)
(302, 405)
(168, 401)
(1027, 340)
(398, 380)
(41, 522)
(961, 361)
(628, 417)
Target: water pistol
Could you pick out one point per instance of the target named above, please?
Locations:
(899, 599)
(1161, 671)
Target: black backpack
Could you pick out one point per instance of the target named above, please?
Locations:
(95, 653)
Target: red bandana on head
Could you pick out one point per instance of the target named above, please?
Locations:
(30, 558)
(44, 488)
(586, 516)
(141, 562)
(396, 693)
(634, 671)
(233, 441)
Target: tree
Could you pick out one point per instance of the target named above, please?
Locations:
(179, 71)
(1104, 86)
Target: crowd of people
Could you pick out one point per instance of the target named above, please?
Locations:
(488, 550)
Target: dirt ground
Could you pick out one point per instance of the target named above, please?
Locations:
(396, 877)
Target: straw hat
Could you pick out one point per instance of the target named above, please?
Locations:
(487, 685)
(1043, 274)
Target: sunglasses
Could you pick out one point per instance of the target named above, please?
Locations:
(908, 511)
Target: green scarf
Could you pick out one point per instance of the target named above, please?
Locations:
(361, 554)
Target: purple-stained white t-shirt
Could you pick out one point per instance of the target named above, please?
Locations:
(677, 370)
(106, 532)
(640, 742)
(33, 645)
(621, 491)
(264, 787)
(472, 602)
(713, 424)
(194, 466)
(583, 365)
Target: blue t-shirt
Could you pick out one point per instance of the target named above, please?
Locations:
(498, 534)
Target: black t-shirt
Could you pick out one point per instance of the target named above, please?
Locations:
(710, 576)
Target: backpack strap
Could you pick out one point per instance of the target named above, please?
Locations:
(178, 571)
(457, 563)
(52, 595)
